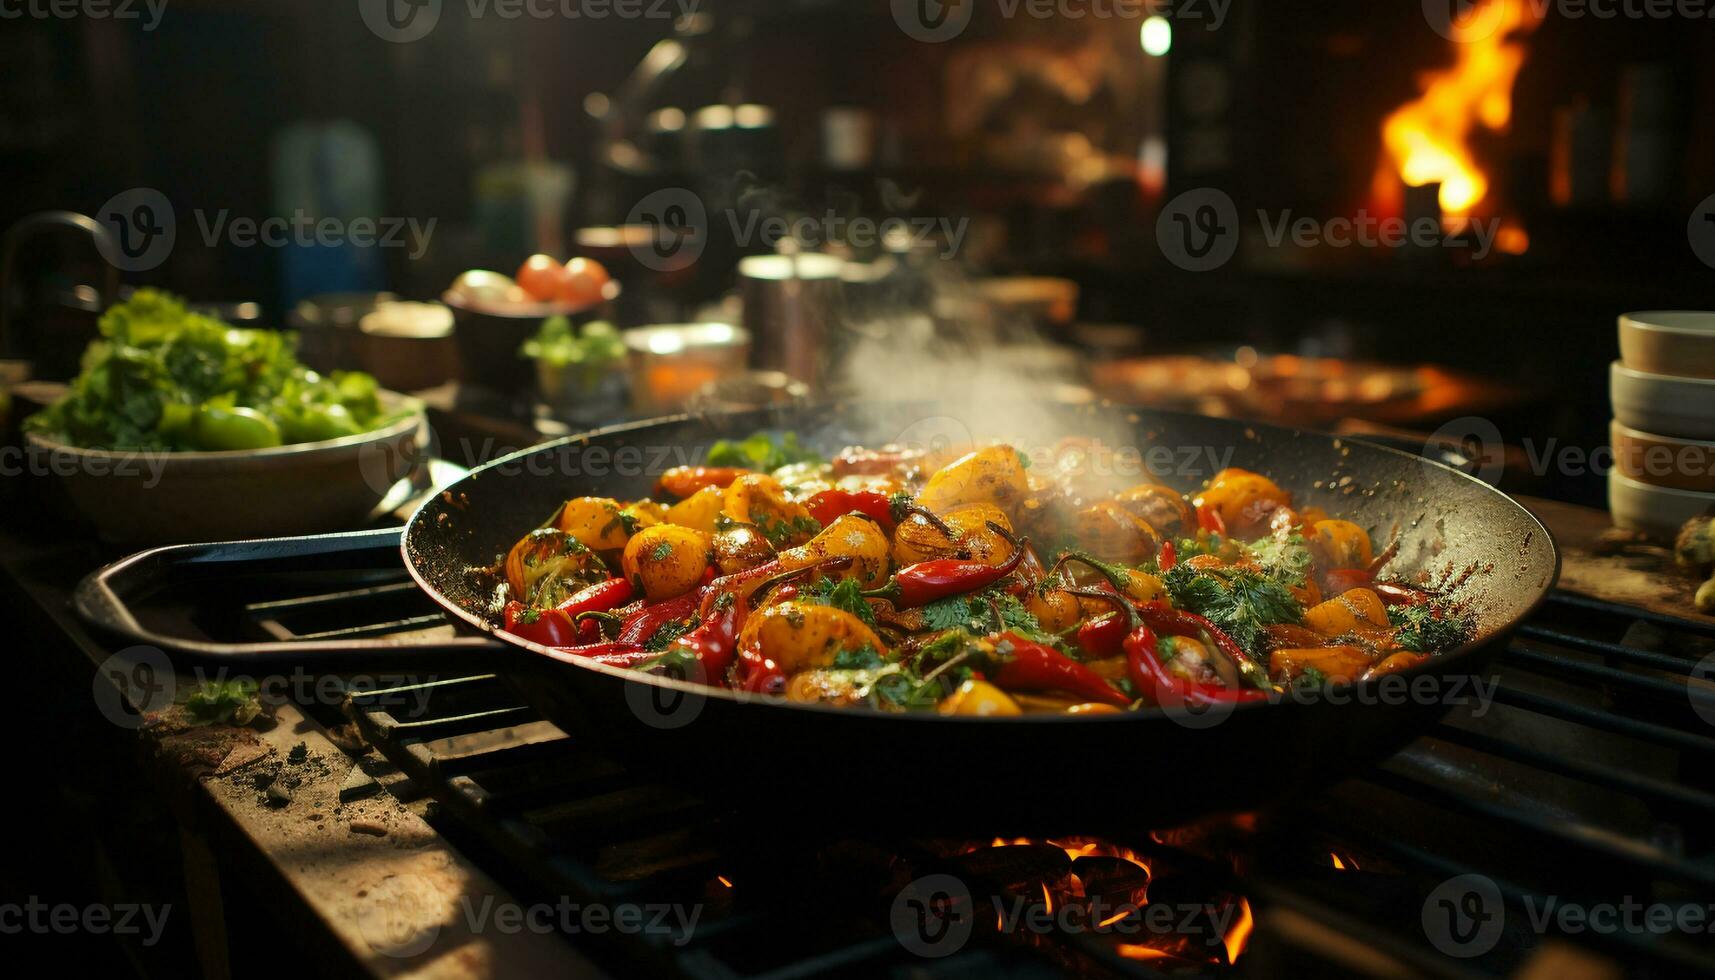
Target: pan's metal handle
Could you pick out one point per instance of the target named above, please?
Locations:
(102, 599)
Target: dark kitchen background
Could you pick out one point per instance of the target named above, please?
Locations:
(1059, 140)
(1568, 163)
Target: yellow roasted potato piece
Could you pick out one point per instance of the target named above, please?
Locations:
(822, 687)
(698, 511)
(1164, 508)
(1347, 612)
(759, 499)
(1340, 544)
(600, 522)
(646, 511)
(666, 560)
(1114, 534)
(917, 539)
(850, 536)
(799, 637)
(1243, 499)
(1341, 663)
(988, 476)
(739, 547)
(979, 699)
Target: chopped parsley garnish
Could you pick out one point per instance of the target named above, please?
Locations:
(865, 657)
(781, 532)
(668, 632)
(1238, 600)
(661, 551)
(1287, 559)
(976, 612)
(845, 594)
(1311, 678)
(1431, 627)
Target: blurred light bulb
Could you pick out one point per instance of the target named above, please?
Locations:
(1157, 35)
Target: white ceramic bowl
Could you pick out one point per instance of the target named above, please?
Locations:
(172, 497)
(1657, 510)
(1682, 408)
(1672, 342)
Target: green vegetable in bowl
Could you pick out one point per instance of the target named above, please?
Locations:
(593, 351)
(162, 378)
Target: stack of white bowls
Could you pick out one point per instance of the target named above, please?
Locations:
(1663, 390)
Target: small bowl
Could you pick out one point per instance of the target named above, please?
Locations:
(1683, 408)
(1679, 343)
(1658, 511)
(1663, 461)
(138, 498)
(408, 346)
(488, 337)
(671, 362)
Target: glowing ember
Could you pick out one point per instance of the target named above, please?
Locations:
(1427, 140)
(1077, 847)
(1071, 890)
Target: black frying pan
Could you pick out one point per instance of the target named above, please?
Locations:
(815, 764)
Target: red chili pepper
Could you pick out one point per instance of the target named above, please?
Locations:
(598, 598)
(613, 654)
(1030, 666)
(830, 505)
(1169, 555)
(923, 583)
(548, 627)
(714, 644)
(642, 626)
(1154, 681)
(758, 674)
(1104, 636)
(1168, 621)
(1209, 519)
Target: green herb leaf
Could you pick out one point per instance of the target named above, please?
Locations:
(232, 702)
(845, 594)
(1431, 627)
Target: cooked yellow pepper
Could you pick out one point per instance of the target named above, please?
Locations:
(1349, 611)
(798, 636)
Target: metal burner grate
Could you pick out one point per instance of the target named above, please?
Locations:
(1584, 778)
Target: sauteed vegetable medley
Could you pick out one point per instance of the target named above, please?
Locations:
(970, 583)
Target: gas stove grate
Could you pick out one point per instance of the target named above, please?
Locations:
(1585, 777)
